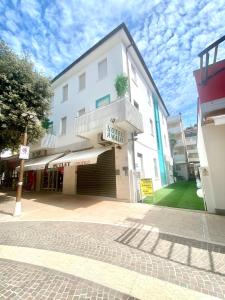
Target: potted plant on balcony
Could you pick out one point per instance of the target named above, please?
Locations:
(121, 85)
(47, 124)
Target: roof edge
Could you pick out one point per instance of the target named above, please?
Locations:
(114, 31)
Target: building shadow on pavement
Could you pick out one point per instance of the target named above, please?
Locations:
(67, 202)
(172, 248)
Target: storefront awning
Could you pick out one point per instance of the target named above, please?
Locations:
(79, 158)
(40, 162)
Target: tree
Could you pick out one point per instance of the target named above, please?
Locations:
(23, 93)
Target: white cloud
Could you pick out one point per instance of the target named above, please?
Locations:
(170, 34)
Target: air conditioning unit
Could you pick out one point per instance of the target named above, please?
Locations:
(103, 142)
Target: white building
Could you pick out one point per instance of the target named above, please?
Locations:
(192, 150)
(75, 156)
(178, 147)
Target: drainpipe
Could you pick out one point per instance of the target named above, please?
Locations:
(132, 134)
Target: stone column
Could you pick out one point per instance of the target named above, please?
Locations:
(69, 180)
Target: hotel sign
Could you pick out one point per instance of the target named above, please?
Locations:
(113, 134)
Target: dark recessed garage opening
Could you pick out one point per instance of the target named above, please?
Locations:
(98, 179)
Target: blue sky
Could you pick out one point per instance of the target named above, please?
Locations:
(169, 34)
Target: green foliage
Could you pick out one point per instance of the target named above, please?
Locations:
(46, 123)
(23, 91)
(121, 85)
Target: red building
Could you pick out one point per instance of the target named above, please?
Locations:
(210, 81)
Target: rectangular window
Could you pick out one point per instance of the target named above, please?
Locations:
(102, 69)
(65, 93)
(165, 140)
(102, 101)
(81, 112)
(134, 73)
(63, 126)
(136, 105)
(82, 82)
(156, 168)
(140, 165)
(178, 168)
(149, 98)
(151, 127)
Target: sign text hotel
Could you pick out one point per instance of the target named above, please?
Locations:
(113, 134)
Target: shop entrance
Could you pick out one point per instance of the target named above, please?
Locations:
(52, 180)
(98, 179)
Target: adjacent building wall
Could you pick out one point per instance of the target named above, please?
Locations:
(214, 140)
(145, 144)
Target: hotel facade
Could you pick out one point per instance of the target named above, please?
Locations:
(98, 143)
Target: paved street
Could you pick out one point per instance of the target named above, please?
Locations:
(128, 258)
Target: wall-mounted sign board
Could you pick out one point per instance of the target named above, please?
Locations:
(113, 134)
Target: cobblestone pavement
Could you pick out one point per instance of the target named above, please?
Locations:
(22, 281)
(185, 262)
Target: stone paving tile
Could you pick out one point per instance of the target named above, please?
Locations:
(193, 264)
(24, 281)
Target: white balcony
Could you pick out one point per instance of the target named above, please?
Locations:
(174, 130)
(179, 143)
(192, 151)
(46, 142)
(193, 159)
(180, 158)
(191, 141)
(126, 116)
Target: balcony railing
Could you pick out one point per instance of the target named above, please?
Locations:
(205, 55)
(193, 159)
(180, 158)
(125, 115)
(179, 143)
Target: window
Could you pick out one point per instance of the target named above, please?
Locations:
(156, 168)
(102, 101)
(136, 105)
(165, 140)
(151, 127)
(82, 82)
(134, 73)
(140, 165)
(65, 93)
(81, 112)
(149, 97)
(178, 168)
(63, 126)
(102, 69)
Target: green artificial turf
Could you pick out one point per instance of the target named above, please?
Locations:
(179, 195)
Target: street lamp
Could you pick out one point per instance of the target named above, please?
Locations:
(28, 117)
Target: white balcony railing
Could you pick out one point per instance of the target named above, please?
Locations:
(126, 117)
(191, 141)
(193, 159)
(192, 151)
(174, 130)
(179, 143)
(180, 158)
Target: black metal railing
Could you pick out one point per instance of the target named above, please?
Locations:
(205, 55)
